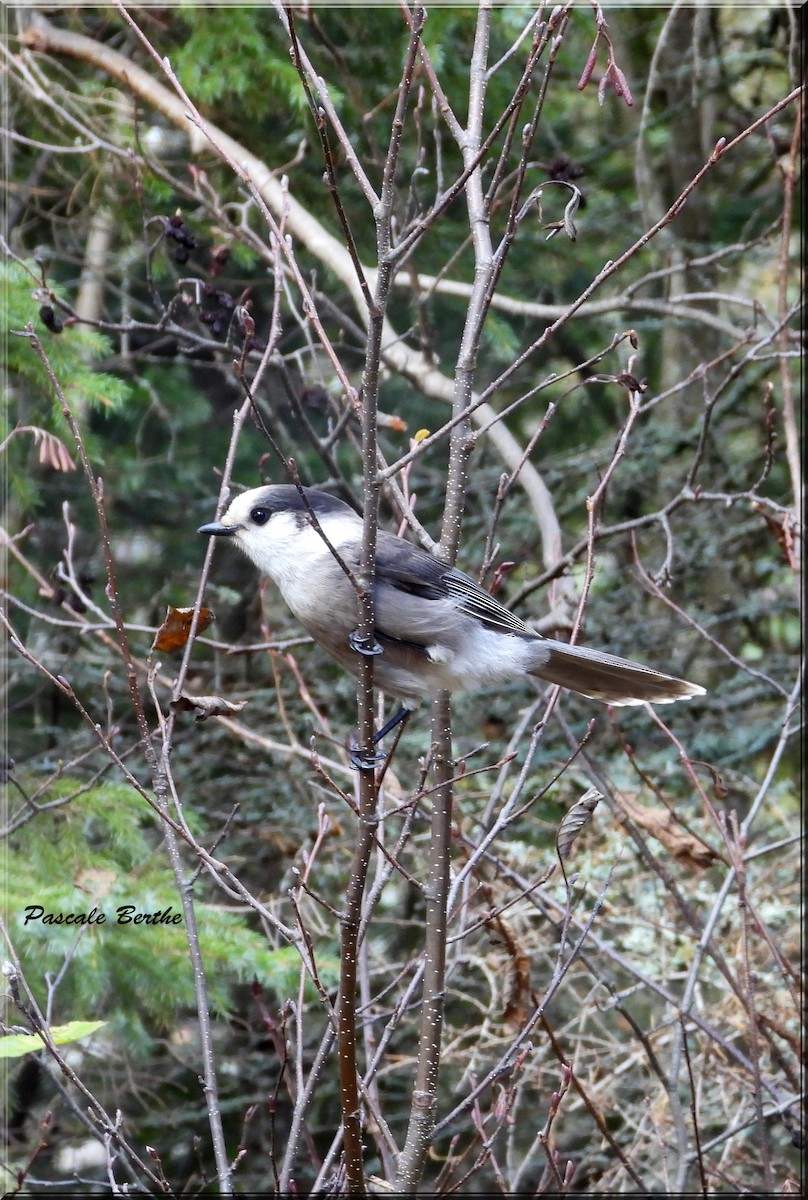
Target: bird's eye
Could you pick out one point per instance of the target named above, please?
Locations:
(260, 515)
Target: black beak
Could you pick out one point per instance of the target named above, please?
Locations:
(217, 529)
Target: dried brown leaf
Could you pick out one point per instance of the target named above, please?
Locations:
(208, 706)
(518, 993)
(662, 825)
(176, 628)
(579, 815)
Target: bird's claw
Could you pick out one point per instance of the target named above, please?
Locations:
(364, 760)
(362, 645)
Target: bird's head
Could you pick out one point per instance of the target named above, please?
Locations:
(273, 525)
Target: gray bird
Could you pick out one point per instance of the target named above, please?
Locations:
(435, 627)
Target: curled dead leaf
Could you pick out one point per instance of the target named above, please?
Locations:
(518, 987)
(579, 815)
(630, 382)
(783, 532)
(176, 628)
(208, 706)
(685, 847)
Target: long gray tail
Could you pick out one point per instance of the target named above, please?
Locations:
(605, 676)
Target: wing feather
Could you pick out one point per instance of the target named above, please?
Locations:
(478, 603)
(408, 569)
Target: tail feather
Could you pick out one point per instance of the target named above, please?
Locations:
(606, 677)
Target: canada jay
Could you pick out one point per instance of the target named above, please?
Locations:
(435, 627)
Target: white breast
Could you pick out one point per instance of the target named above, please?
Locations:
(296, 558)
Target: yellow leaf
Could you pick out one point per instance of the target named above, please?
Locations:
(17, 1044)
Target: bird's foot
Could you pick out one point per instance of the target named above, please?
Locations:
(362, 759)
(363, 645)
(368, 760)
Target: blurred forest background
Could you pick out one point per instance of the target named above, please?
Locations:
(630, 1023)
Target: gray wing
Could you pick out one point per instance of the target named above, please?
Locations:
(434, 595)
(478, 603)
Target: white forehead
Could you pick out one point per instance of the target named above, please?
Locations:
(238, 511)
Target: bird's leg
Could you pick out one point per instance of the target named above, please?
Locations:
(364, 760)
(400, 715)
(397, 722)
